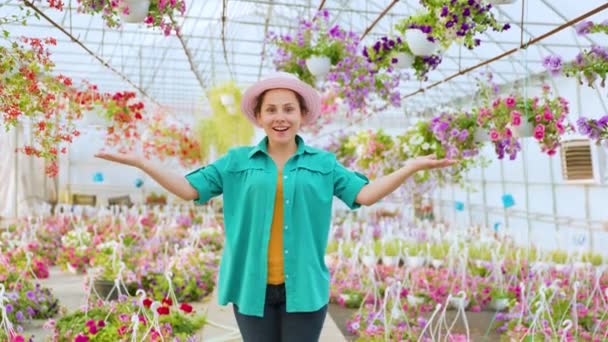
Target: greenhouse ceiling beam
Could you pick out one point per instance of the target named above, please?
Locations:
(187, 53)
(380, 16)
(559, 13)
(89, 51)
(523, 46)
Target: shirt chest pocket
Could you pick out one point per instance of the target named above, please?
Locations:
(315, 182)
(250, 179)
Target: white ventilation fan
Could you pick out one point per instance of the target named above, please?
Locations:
(583, 162)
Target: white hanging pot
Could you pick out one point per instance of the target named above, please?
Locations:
(404, 60)
(390, 260)
(458, 303)
(227, 100)
(318, 65)
(414, 300)
(499, 304)
(137, 10)
(415, 261)
(481, 136)
(368, 260)
(436, 263)
(525, 129)
(91, 118)
(502, 2)
(418, 43)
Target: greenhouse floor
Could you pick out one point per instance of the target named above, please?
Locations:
(68, 288)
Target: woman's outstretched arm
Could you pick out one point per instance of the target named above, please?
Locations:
(171, 181)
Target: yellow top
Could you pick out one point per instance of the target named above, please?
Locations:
(276, 272)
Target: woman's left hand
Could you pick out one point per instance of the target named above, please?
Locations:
(430, 162)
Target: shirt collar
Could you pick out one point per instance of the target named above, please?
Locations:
(262, 146)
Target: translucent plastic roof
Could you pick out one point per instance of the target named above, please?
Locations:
(160, 66)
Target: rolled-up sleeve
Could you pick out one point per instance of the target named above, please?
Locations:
(208, 180)
(347, 185)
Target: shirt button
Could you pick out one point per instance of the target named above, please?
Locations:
(286, 227)
(287, 202)
(286, 251)
(287, 276)
(284, 177)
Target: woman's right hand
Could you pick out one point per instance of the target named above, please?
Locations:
(130, 158)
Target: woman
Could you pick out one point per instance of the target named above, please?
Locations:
(277, 211)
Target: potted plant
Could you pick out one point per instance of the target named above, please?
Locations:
(443, 22)
(127, 318)
(312, 50)
(153, 13)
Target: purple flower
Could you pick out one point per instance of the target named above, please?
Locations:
(19, 316)
(449, 24)
(464, 134)
(553, 64)
(444, 11)
(9, 308)
(583, 28)
(30, 295)
(506, 26)
(466, 12)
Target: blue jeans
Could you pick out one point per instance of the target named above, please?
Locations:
(278, 325)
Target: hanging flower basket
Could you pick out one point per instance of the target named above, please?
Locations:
(404, 60)
(418, 43)
(318, 65)
(134, 11)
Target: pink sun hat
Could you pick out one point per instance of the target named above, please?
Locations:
(282, 80)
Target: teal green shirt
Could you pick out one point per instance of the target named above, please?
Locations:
(247, 178)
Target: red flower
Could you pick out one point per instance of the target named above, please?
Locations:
(163, 310)
(147, 302)
(185, 307)
(167, 302)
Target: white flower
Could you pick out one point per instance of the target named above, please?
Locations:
(405, 148)
(360, 151)
(416, 139)
(426, 146)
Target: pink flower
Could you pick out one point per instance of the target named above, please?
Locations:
(494, 135)
(515, 118)
(93, 329)
(548, 116)
(475, 308)
(496, 102)
(81, 338)
(510, 102)
(508, 132)
(539, 134)
(122, 330)
(560, 128)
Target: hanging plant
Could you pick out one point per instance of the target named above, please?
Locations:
(30, 95)
(167, 138)
(313, 50)
(446, 21)
(125, 115)
(227, 126)
(595, 129)
(154, 13)
(589, 66)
